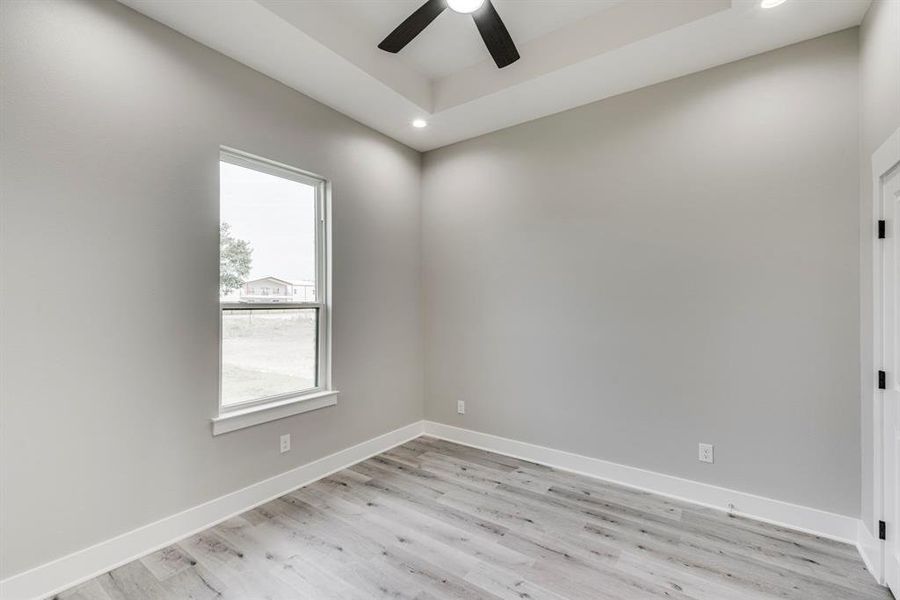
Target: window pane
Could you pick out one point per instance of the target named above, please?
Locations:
(267, 237)
(267, 352)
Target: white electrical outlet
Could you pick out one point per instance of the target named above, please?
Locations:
(706, 453)
(285, 443)
(461, 407)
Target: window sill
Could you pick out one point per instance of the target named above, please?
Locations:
(255, 415)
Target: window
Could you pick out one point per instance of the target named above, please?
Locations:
(275, 346)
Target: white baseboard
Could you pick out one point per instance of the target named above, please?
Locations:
(872, 551)
(794, 516)
(80, 566)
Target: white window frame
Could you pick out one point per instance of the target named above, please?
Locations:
(260, 410)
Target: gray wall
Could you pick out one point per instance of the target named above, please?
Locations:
(674, 265)
(111, 125)
(879, 83)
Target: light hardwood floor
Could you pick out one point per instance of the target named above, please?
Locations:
(431, 519)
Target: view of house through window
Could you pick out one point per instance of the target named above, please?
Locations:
(268, 271)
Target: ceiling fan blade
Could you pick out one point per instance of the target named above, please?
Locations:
(413, 26)
(495, 35)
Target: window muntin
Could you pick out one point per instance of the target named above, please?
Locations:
(273, 305)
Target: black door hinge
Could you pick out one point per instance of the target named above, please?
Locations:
(882, 227)
(882, 380)
(882, 530)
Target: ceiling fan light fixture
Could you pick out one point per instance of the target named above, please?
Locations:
(465, 6)
(487, 20)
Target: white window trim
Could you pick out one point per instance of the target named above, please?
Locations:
(262, 410)
(255, 415)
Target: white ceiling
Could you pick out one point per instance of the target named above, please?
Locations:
(573, 52)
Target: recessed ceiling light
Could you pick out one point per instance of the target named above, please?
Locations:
(420, 123)
(465, 6)
(771, 3)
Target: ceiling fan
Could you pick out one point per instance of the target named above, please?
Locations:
(494, 33)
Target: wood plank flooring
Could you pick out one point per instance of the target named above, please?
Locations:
(431, 519)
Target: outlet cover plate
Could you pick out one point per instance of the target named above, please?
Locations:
(706, 453)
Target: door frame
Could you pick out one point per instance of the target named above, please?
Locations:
(884, 160)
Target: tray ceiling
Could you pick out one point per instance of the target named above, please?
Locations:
(573, 52)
